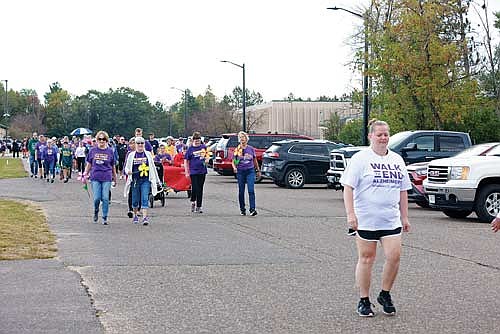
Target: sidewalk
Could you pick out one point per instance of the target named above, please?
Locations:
(42, 296)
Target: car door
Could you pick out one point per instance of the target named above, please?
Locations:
(317, 161)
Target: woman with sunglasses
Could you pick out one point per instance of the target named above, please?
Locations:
(196, 169)
(101, 165)
(142, 178)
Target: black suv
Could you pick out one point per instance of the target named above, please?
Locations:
(293, 163)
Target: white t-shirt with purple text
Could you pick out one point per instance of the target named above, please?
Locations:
(377, 182)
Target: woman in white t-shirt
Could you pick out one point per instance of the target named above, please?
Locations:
(376, 202)
(80, 154)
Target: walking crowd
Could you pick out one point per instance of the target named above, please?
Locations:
(101, 160)
(141, 163)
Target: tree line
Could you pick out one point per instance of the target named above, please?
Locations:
(120, 111)
(431, 65)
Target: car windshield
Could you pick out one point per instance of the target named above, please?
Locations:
(494, 151)
(474, 150)
(397, 139)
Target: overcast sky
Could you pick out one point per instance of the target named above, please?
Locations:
(288, 46)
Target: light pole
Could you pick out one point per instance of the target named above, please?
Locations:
(6, 106)
(244, 93)
(366, 112)
(185, 108)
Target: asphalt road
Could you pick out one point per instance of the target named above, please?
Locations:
(288, 270)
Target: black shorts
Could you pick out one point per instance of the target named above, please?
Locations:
(377, 235)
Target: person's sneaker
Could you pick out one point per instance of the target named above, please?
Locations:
(365, 308)
(36, 176)
(66, 180)
(136, 219)
(48, 180)
(130, 214)
(145, 220)
(193, 206)
(243, 212)
(51, 180)
(386, 302)
(199, 210)
(96, 216)
(105, 220)
(253, 213)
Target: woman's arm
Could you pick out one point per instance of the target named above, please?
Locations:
(87, 168)
(256, 165)
(403, 208)
(186, 167)
(352, 220)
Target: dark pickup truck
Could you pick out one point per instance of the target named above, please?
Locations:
(413, 146)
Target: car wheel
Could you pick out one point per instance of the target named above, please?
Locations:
(457, 213)
(295, 178)
(488, 203)
(423, 204)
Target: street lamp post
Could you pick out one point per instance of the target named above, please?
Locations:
(244, 92)
(366, 111)
(184, 91)
(6, 105)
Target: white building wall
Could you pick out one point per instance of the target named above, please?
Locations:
(297, 117)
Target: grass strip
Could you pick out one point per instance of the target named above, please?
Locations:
(11, 168)
(24, 232)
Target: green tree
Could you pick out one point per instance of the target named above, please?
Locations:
(419, 77)
(57, 110)
(333, 127)
(351, 132)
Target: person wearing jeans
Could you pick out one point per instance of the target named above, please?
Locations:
(142, 178)
(101, 165)
(196, 169)
(32, 148)
(49, 157)
(244, 165)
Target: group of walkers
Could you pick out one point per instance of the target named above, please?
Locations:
(103, 160)
(375, 189)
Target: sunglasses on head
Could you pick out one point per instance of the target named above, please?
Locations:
(101, 139)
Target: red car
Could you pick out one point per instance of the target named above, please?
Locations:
(260, 141)
(418, 172)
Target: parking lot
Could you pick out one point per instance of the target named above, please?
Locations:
(288, 270)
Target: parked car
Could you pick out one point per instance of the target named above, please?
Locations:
(418, 172)
(260, 141)
(413, 146)
(459, 186)
(293, 163)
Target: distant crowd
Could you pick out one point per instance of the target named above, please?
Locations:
(49, 156)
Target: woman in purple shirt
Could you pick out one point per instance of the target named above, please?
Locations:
(196, 169)
(49, 157)
(101, 165)
(244, 166)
